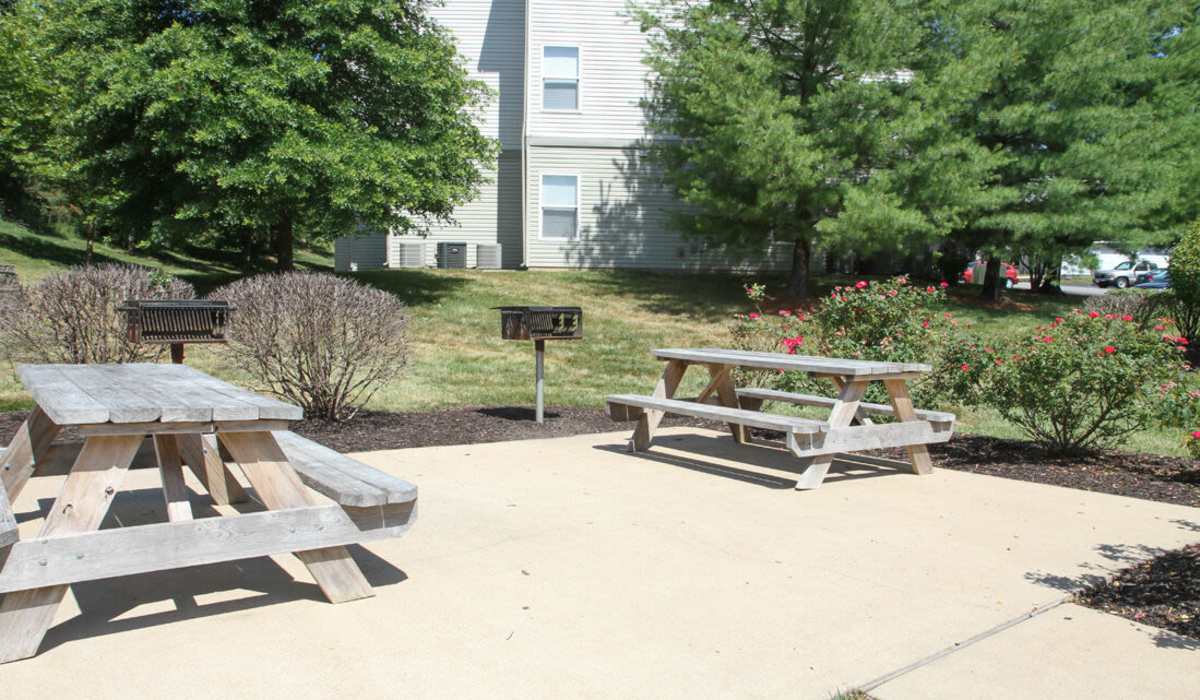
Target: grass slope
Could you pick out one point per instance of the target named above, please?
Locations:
(458, 359)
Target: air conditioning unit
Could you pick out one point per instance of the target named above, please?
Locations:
(451, 255)
(487, 256)
(409, 254)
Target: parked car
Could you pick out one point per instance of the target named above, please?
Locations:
(1158, 279)
(1124, 274)
(1010, 274)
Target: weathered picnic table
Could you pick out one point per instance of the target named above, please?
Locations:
(849, 427)
(317, 501)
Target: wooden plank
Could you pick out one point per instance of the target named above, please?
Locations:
(203, 457)
(827, 402)
(279, 487)
(194, 388)
(880, 436)
(268, 408)
(801, 363)
(61, 456)
(251, 426)
(843, 412)
(81, 505)
(718, 374)
(723, 414)
(28, 446)
(176, 401)
(63, 402)
(170, 468)
(163, 546)
(722, 377)
(648, 422)
(8, 523)
(124, 404)
(918, 454)
(345, 480)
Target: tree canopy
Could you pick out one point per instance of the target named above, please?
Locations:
(259, 121)
(1015, 127)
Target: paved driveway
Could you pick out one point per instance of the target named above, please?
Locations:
(568, 567)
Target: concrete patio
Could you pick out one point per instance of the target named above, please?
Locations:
(569, 567)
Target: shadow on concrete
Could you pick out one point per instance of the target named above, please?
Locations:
(760, 454)
(110, 606)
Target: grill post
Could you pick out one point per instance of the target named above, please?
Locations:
(539, 351)
(177, 353)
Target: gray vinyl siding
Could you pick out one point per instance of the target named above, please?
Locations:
(490, 35)
(493, 217)
(612, 78)
(624, 218)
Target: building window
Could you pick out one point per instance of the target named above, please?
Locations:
(560, 206)
(560, 78)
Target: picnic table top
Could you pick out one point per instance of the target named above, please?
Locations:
(144, 393)
(799, 363)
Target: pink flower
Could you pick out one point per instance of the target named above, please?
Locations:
(965, 367)
(754, 316)
(892, 292)
(1181, 340)
(785, 312)
(1160, 328)
(1127, 317)
(930, 289)
(925, 323)
(943, 284)
(1109, 317)
(861, 284)
(998, 361)
(1047, 339)
(1196, 434)
(1094, 314)
(1109, 349)
(792, 343)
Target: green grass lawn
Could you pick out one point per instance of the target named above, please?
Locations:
(457, 358)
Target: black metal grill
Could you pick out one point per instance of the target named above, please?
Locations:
(177, 320)
(541, 322)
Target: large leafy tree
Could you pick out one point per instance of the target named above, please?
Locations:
(258, 123)
(1091, 107)
(810, 122)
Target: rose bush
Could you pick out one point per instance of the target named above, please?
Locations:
(1083, 381)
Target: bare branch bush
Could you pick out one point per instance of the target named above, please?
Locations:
(73, 316)
(317, 340)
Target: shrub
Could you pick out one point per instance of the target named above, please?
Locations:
(320, 341)
(1084, 381)
(73, 316)
(1182, 301)
(1142, 304)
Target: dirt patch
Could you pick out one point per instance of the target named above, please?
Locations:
(1162, 592)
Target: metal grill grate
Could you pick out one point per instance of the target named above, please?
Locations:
(541, 322)
(177, 321)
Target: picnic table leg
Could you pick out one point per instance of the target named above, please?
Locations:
(859, 418)
(80, 507)
(170, 468)
(722, 376)
(902, 404)
(278, 487)
(203, 457)
(650, 418)
(841, 416)
(27, 447)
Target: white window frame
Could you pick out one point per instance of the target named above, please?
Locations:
(542, 204)
(578, 78)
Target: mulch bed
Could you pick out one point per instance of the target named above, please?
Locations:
(1163, 592)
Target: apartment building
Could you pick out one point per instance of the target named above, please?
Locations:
(571, 187)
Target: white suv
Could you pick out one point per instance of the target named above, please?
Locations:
(1124, 275)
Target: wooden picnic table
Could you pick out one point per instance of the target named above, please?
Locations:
(316, 501)
(848, 428)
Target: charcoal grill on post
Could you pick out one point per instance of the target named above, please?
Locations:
(177, 321)
(539, 324)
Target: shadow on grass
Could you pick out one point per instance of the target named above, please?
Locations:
(709, 296)
(416, 287)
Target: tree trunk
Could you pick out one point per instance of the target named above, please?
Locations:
(798, 279)
(282, 241)
(1050, 280)
(991, 279)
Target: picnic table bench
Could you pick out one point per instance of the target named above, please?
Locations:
(317, 501)
(848, 428)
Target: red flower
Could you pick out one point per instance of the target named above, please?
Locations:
(1127, 317)
(785, 312)
(943, 284)
(892, 292)
(792, 343)
(1109, 317)
(1047, 339)
(754, 316)
(965, 367)
(1109, 349)
(998, 361)
(1181, 340)
(1094, 314)
(930, 289)
(1160, 328)
(1196, 434)
(861, 284)
(925, 323)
